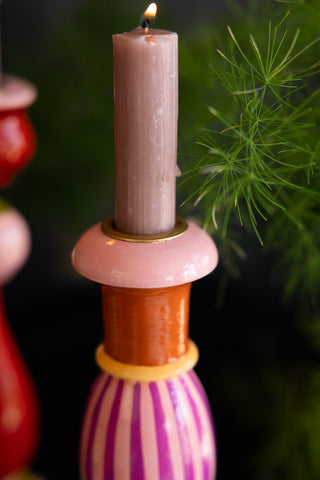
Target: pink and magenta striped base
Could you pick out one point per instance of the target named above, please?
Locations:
(148, 431)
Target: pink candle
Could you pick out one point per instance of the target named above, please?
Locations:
(146, 115)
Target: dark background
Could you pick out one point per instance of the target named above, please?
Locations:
(254, 358)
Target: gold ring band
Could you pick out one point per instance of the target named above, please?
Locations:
(108, 228)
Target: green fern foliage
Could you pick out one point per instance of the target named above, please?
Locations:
(260, 166)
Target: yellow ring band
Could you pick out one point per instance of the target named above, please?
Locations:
(141, 373)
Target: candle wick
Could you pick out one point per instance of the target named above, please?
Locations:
(145, 25)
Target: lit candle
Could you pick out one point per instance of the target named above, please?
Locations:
(146, 116)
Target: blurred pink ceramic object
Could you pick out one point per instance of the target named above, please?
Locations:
(15, 243)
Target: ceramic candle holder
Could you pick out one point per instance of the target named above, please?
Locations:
(147, 416)
(19, 411)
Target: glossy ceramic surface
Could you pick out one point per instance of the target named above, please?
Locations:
(19, 411)
(17, 143)
(148, 431)
(145, 265)
(17, 137)
(146, 326)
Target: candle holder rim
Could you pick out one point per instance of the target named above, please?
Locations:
(108, 261)
(138, 32)
(109, 229)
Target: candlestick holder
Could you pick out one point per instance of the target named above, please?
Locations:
(19, 410)
(147, 417)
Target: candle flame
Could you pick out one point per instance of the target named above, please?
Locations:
(151, 11)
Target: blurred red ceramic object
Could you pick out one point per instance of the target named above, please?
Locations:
(19, 417)
(19, 412)
(17, 137)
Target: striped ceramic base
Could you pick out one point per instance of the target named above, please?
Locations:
(148, 431)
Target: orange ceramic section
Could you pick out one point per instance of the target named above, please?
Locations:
(147, 326)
